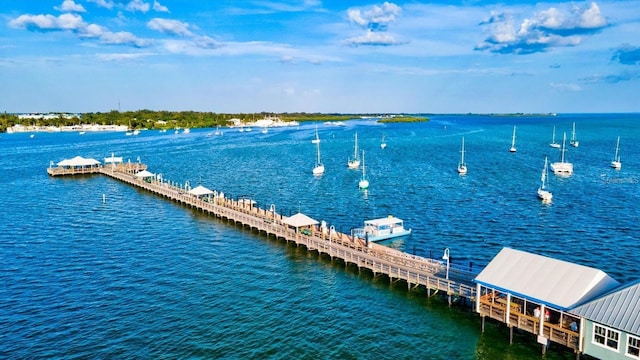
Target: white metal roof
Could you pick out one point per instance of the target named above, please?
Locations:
(383, 221)
(200, 190)
(79, 161)
(559, 284)
(299, 220)
(619, 309)
(144, 174)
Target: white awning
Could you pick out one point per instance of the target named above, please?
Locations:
(113, 160)
(144, 174)
(200, 191)
(299, 220)
(559, 284)
(79, 161)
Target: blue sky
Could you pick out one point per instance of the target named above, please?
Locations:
(320, 56)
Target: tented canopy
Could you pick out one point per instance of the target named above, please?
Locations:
(200, 191)
(299, 220)
(113, 160)
(144, 174)
(556, 283)
(79, 161)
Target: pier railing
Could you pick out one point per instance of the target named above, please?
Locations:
(553, 332)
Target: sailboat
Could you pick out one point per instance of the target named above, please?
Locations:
(462, 166)
(513, 140)
(354, 162)
(317, 139)
(562, 167)
(554, 144)
(319, 168)
(218, 132)
(383, 144)
(544, 194)
(363, 183)
(616, 164)
(574, 141)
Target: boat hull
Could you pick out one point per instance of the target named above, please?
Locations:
(374, 238)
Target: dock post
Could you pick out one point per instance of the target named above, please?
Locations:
(483, 324)
(510, 335)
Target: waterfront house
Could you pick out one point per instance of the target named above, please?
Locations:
(535, 293)
(612, 323)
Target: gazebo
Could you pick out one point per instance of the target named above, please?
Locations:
(79, 162)
(144, 175)
(200, 191)
(298, 221)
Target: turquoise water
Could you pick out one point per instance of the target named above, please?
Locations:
(137, 276)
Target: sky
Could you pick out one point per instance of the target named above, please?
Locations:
(328, 56)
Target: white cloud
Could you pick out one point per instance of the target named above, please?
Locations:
(159, 8)
(48, 22)
(137, 5)
(75, 24)
(107, 4)
(546, 29)
(173, 27)
(70, 6)
(373, 38)
(122, 56)
(375, 18)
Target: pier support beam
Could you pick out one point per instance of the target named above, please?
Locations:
(482, 323)
(510, 335)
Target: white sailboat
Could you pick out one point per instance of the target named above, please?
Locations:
(218, 132)
(615, 163)
(544, 194)
(462, 166)
(574, 141)
(513, 140)
(562, 167)
(317, 139)
(553, 143)
(363, 183)
(319, 168)
(354, 162)
(383, 144)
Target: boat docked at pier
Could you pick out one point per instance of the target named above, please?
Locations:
(382, 229)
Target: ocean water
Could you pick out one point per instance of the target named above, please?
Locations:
(137, 276)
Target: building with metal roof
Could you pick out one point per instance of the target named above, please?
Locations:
(535, 293)
(612, 323)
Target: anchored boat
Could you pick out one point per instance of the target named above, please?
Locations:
(382, 229)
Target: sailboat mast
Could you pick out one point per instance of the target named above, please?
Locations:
(462, 151)
(564, 140)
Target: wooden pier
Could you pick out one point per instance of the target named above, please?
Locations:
(380, 260)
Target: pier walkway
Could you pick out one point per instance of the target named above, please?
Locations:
(379, 259)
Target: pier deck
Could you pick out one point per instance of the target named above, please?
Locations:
(379, 259)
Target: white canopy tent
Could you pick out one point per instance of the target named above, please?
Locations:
(144, 174)
(200, 191)
(79, 161)
(113, 160)
(299, 220)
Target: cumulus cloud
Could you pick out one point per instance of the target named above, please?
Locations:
(107, 4)
(377, 18)
(546, 29)
(375, 21)
(173, 27)
(48, 22)
(70, 6)
(74, 24)
(627, 55)
(137, 5)
(159, 8)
